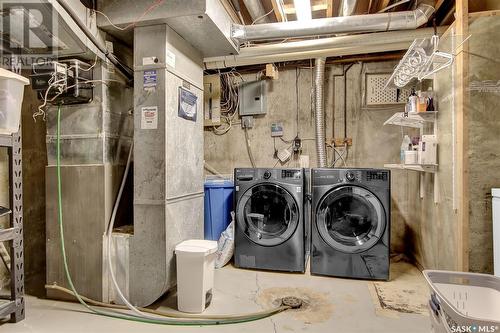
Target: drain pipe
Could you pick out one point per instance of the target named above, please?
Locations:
(319, 110)
(404, 20)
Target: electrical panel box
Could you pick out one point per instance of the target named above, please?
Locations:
(252, 97)
(66, 81)
(211, 97)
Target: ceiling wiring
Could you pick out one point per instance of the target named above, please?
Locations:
(229, 102)
(152, 7)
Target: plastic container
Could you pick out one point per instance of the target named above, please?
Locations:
(195, 274)
(463, 302)
(11, 99)
(218, 206)
(411, 157)
(405, 146)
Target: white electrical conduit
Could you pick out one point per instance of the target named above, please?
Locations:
(249, 149)
(324, 47)
(404, 20)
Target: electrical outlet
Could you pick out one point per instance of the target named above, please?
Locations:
(247, 122)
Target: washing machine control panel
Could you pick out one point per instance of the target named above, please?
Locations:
(249, 174)
(376, 177)
(350, 176)
(291, 174)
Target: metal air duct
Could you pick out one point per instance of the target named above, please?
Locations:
(405, 20)
(256, 11)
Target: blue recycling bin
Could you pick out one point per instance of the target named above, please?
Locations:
(218, 206)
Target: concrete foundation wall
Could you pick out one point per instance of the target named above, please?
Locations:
(484, 141)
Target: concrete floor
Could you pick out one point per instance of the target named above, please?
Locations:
(332, 305)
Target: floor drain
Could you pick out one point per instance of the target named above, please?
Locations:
(292, 302)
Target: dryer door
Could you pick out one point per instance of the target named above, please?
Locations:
(267, 214)
(350, 219)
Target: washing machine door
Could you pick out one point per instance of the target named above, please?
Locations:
(350, 219)
(267, 214)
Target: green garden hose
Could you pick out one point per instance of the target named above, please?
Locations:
(193, 321)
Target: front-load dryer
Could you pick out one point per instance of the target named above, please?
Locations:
(269, 232)
(350, 234)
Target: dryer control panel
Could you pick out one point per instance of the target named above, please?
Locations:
(376, 177)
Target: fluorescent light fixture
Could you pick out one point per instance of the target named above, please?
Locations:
(303, 9)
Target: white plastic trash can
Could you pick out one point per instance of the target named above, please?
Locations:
(11, 99)
(195, 274)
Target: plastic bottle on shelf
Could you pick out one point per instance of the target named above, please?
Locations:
(405, 145)
(430, 100)
(413, 101)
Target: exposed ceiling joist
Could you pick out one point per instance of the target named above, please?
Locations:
(278, 11)
(438, 5)
(290, 9)
(329, 9)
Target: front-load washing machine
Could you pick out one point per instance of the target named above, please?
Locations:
(269, 232)
(350, 234)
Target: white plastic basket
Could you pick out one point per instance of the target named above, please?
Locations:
(11, 99)
(463, 302)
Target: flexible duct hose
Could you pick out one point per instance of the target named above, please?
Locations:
(319, 111)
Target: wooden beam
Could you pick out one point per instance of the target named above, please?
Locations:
(438, 5)
(461, 140)
(280, 15)
(329, 8)
(230, 10)
(290, 9)
(382, 4)
(484, 14)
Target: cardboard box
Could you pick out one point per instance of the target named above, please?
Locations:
(427, 150)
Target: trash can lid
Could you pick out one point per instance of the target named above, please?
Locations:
(218, 183)
(495, 192)
(196, 247)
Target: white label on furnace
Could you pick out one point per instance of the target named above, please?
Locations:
(148, 61)
(149, 117)
(170, 60)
